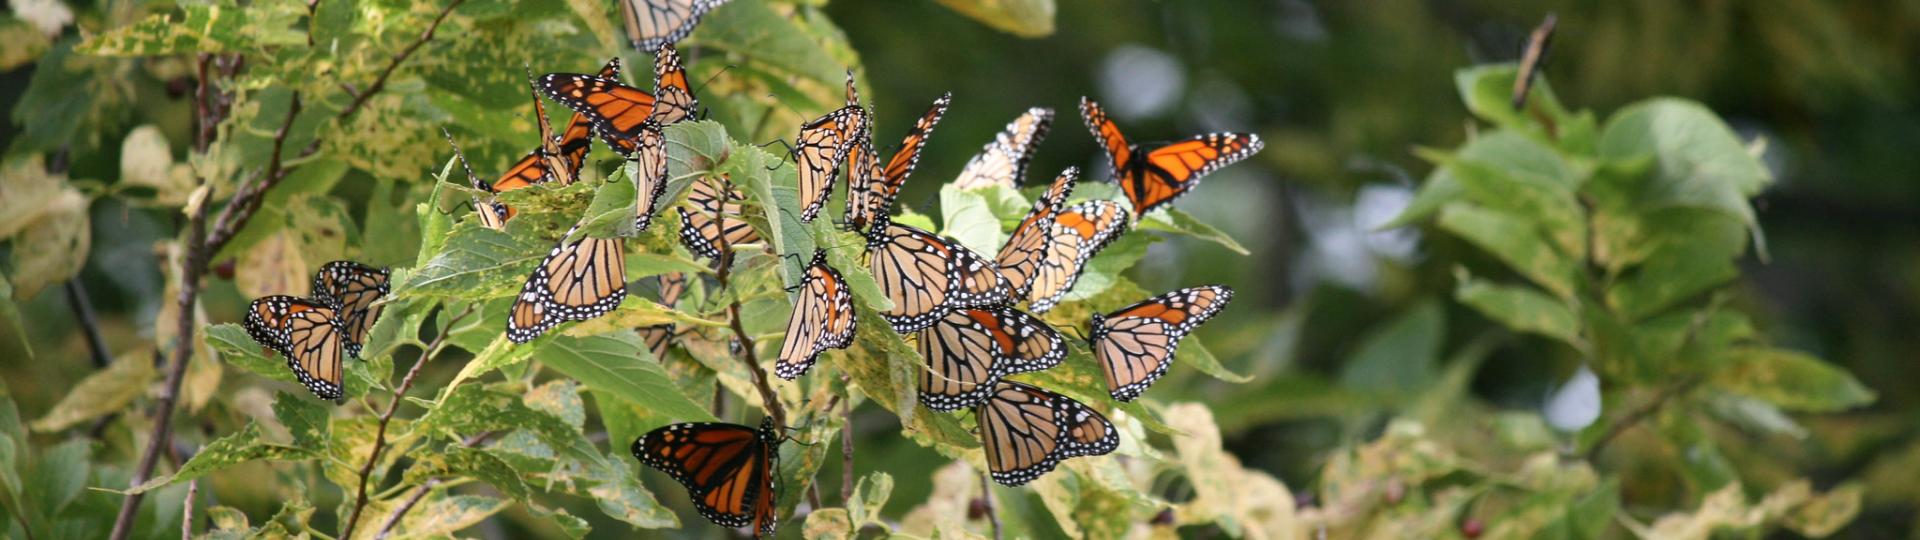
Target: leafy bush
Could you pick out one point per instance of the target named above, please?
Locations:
(313, 139)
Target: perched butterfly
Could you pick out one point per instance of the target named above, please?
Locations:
(558, 159)
(673, 99)
(926, 275)
(822, 146)
(969, 350)
(1135, 345)
(1026, 431)
(650, 174)
(1075, 235)
(1155, 175)
(652, 24)
(1020, 258)
(1004, 160)
(618, 112)
(578, 280)
(307, 333)
(660, 336)
(352, 289)
(822, 319)
(729, 469)
(872, 188)
(708, 223)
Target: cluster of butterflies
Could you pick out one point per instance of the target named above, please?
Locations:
(315, 333)
(959, 304)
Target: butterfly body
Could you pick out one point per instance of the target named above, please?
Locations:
(1154, 175)
(822, 319)
(968, 350)
(353, 290)
(926, 275)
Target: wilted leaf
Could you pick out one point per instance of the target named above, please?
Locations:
(827, 524)
(460, 461)
(236, 448)
(1024, 18)
(1792, 380)
(275, 265)
(102, 392)
(52, 248)
(441, 513)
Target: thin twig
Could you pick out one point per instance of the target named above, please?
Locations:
(846, 450)
(723, 276)
(191, 266)
(380, 82)
(247, 200)
(83, 313)
(186, 517)
(386, 528)
(986, 499)
(1641, 413)
(380, 434)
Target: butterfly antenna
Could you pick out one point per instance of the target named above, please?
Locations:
(471, 178)
(1532, 59)
(715, 75)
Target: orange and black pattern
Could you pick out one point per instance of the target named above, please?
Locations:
(706, 224)
(822, 319)
(1003, 162)
(872, 188)
(1020, 258)
(578, 280)
(618, 112)
(652, 24)
(353, 290)
(969, 350)
(1135, 345)
(1026, 431)
(1156, 175)
(926, 275)
(729, 469)
(307, 334)
(673, 100)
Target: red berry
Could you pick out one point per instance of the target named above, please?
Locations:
(1472, 527)
(224, 269)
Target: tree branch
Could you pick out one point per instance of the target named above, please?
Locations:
(380, 434)
(1635, 416)
(247, 200)
(846, 449)
(380, 82)
(986, 501)
(724, 275)
(83, 314)
(386, 528)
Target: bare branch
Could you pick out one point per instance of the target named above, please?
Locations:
(986, 500)
(380, 434)
(386, 528)
(360, 99)
(723, 275)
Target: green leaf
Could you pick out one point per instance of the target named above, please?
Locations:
(967, 218)
(1520, 308)
(1792, 380)
(477, 263)
(459, 461)
(1399, 356)
(305, 419)
(776, 48)
(103, 392)
(442, 514)
(1024, 18)
(202, 28)
(620, 495)
(1515, 242)
(869, 496)
(1487, 91)
(25, 43)
(613, 365)
(1179, 222)
(240, 447)
(1699, 162)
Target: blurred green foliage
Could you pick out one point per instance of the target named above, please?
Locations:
(1605, 315)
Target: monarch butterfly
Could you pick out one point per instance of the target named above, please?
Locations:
(652, 24)
(650, 174)
(871, 188)
(969, 350)
(1075, 234)
(1019, 259)
(659, 337)
(577, 281)
(673, 97)
(1156, 175)
(1135, 345)
(1004, 159)
(352, 289)
(822, 319)
(822, 147)
(729, 469)
(307, 333)
(710, 223)
(1026, 431)
(926, 275)
(618, 112)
